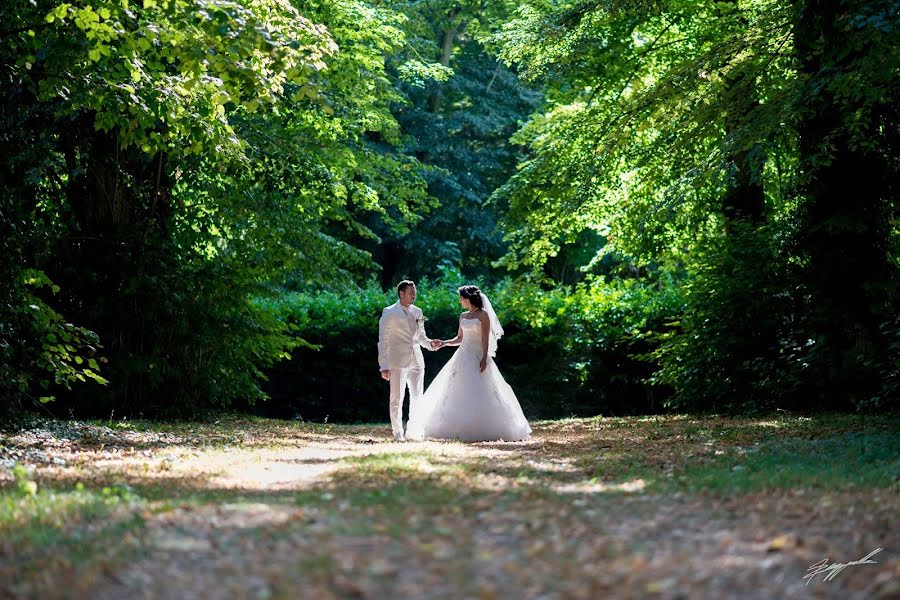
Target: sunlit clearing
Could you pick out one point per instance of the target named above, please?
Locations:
(635, 485)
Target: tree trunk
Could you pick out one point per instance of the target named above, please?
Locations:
(114, 194)
(846, 227)
(744, 199)
(109, 262)
(447, 39)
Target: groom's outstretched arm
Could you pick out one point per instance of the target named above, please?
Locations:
(424, 340)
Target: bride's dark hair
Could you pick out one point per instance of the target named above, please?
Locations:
(472, 294)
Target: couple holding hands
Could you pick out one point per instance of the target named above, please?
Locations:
(468, 400)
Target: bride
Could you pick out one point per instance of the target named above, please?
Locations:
(469, 399)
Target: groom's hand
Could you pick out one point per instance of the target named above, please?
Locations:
(386, 374)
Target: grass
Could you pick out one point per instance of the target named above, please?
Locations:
(73, 525)
(846, 461)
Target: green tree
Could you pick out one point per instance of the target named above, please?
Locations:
(848, 123)
(460, 106)
(703, 136)
(196, 154)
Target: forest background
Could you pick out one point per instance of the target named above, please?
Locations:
(674, 205)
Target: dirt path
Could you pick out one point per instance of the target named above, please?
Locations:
(600, 508)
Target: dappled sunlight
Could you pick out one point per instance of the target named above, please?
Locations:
(588, 487)
(590, 454)
(270, 475)
(552, 465)
(660, 418)
(345, 510)
(247, 514)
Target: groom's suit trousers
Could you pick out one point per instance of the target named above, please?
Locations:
(412, 377)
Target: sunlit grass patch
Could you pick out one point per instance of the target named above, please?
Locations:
(847, 460)
(389, 463)
(420, 468)
(729, 454)
(390, 509)
(34, 517)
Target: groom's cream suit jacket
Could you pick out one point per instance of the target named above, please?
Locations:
(401, 337)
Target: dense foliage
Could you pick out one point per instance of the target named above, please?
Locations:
(680, 204)
(750, 146)
(457, 117)
(166, 164)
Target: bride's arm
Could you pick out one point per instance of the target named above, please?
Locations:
(455, 341)
(485, 335)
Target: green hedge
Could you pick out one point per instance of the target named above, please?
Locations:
(565, 352)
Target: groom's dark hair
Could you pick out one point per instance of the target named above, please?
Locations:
(401, 287)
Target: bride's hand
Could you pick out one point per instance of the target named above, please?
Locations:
(483, 364)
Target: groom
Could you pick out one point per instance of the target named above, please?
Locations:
(401, 332)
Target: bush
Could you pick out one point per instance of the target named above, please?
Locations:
(39, 350)
(750, 339)
(183, 335)
(888, 397)
(737, 346)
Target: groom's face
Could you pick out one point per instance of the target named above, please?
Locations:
(408, 296)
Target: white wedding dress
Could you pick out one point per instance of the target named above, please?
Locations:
(465, 404)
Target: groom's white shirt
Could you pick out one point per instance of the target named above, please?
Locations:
(401, 337)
